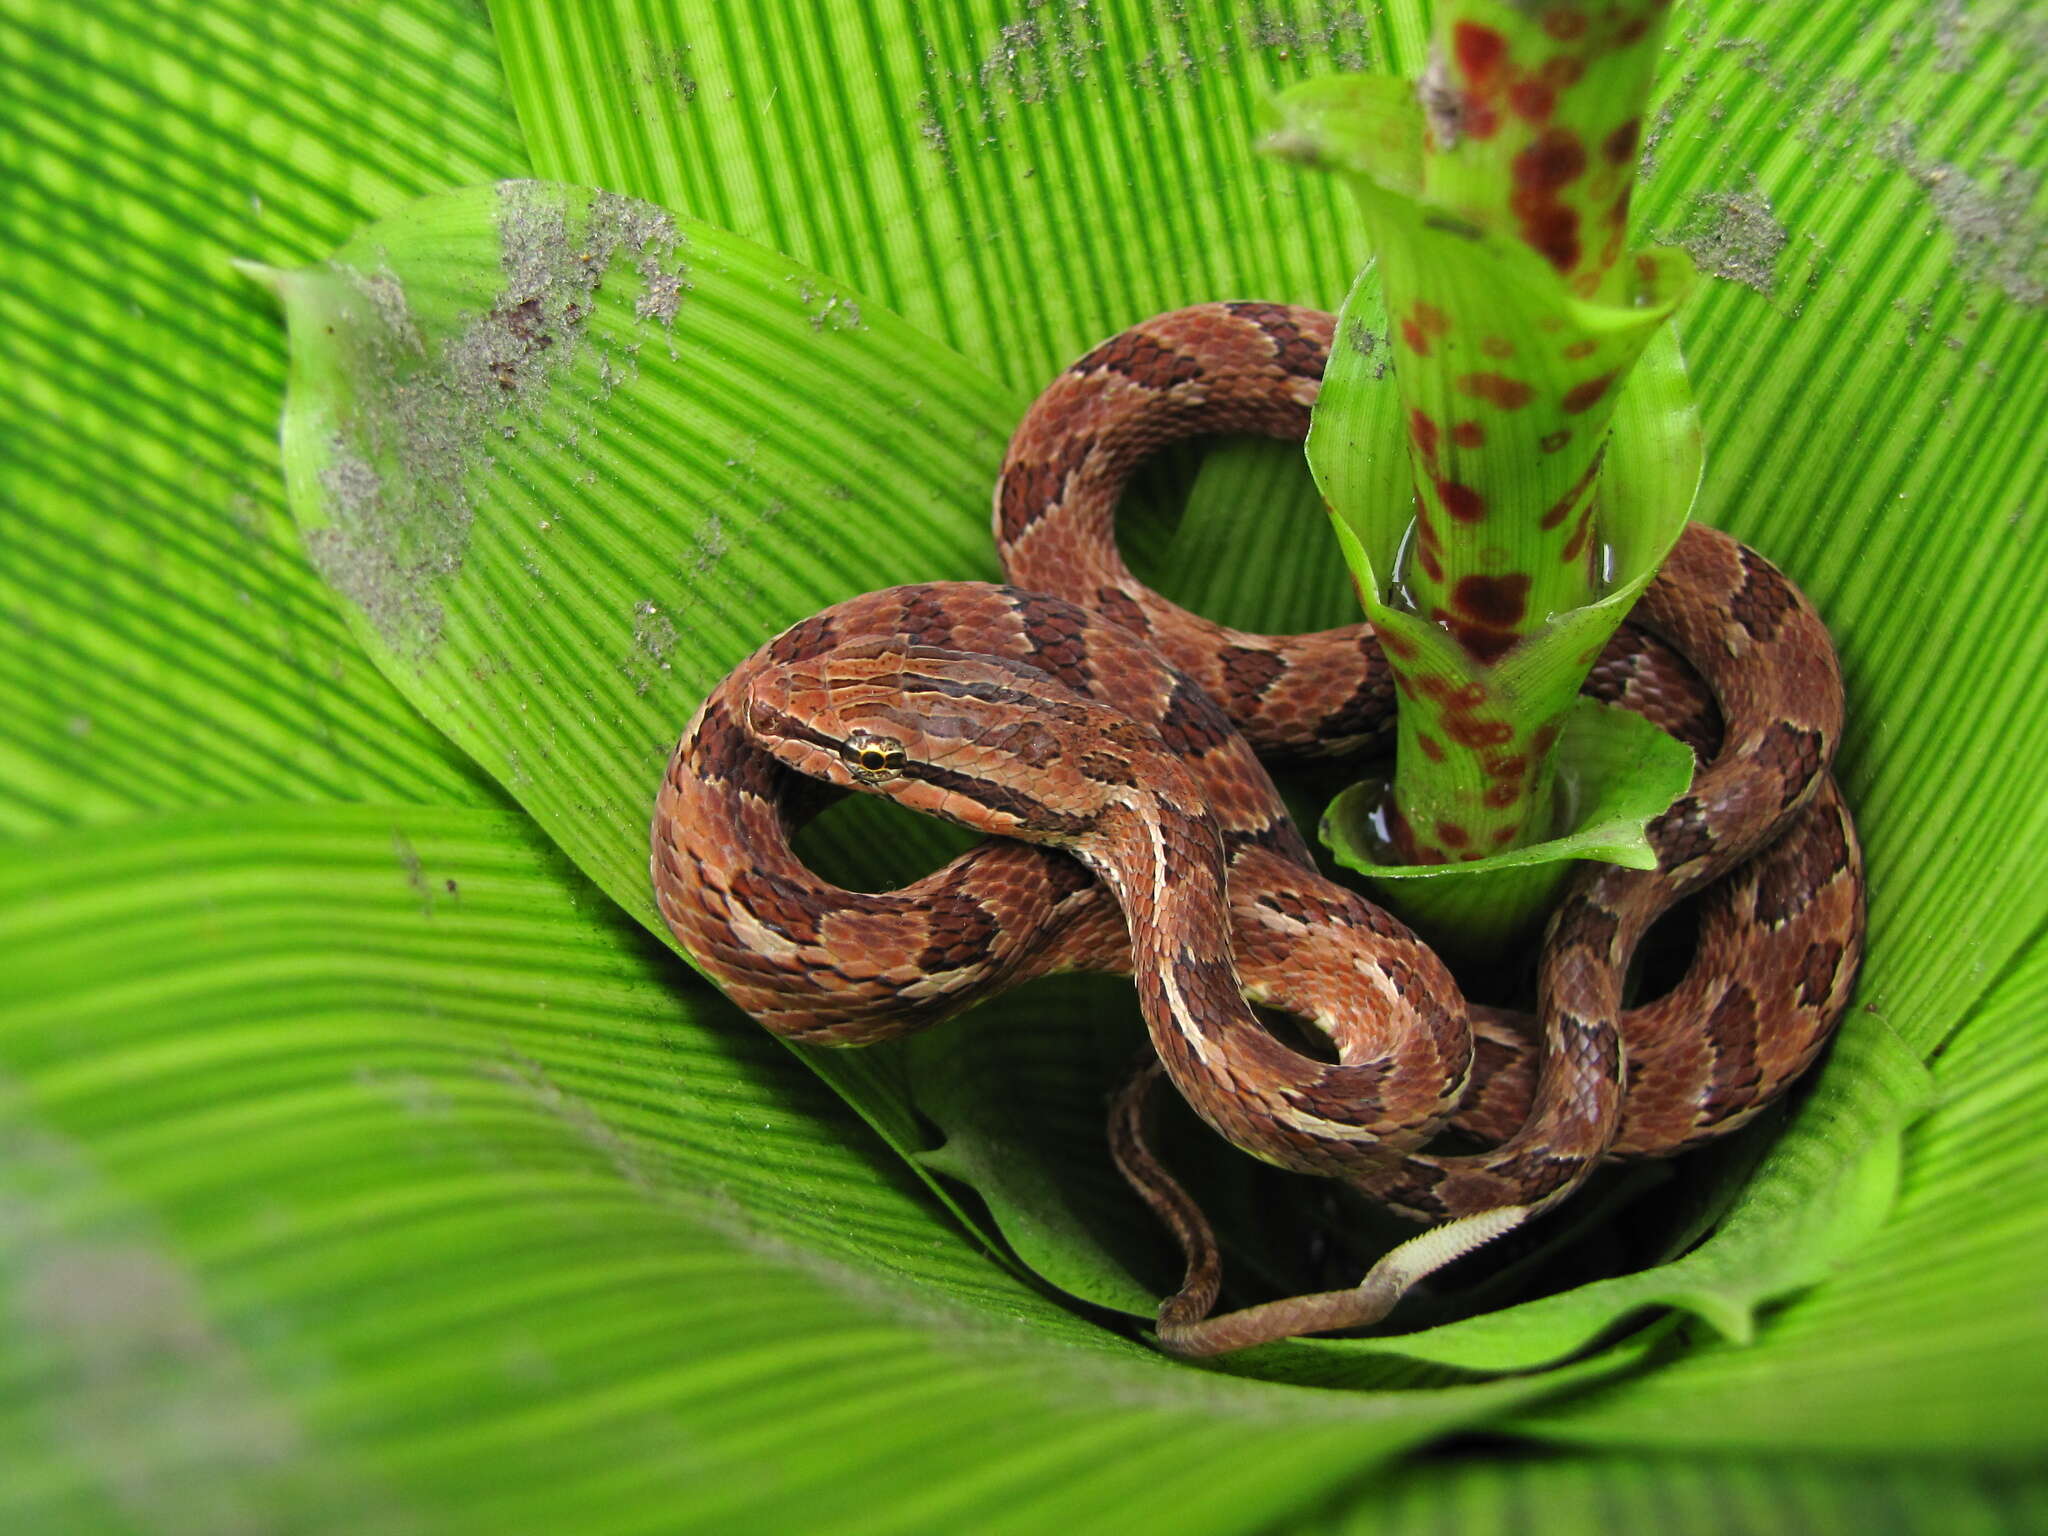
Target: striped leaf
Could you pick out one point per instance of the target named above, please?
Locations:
(166, 643)
(366, 1168)
(336, 1198)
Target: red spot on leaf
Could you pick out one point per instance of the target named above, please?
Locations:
(1562, 507)
(1497, 389)
(1467, 731)
(1620, 146)
(1564, 23)
(1431, 747)
(1633, 32)
(1451, 835)
(1554, 161)
(1553, 233)
(1617, 211)
(1506, 767)
(1541, 743)
(1583, 397)
(1468, 434)
(1497, 346)
(1432, 567)
(1581, 536)
(1531, 99)
(1461, 501)
(1550, 442)
(1502, 836)
(1562, 72)
(1584, 348)
(1501, 796)
(1396, 645)
(1434, 322)
(1423, 430)
(1417, 342)
(1480, 51)
(1496, 600)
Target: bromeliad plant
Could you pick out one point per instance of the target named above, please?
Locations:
(1547, 449)
(364, 1160)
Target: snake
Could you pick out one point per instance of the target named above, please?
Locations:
(1109, 743)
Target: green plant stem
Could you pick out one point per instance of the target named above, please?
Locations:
(1530, 121)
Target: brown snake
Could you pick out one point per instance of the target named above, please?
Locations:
(1106, 737)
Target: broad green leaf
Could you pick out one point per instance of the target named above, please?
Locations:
(1679, 1495)
(1615, 771)
(163, 641)
(1867, 358)
(1927, 1337)
(1626, 770)
(568, 460)
(551, 447)
(1870, 371)
(366, 1169)
(1018, 183)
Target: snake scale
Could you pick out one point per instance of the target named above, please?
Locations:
(1107, 739)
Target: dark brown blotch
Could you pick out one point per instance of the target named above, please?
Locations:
(1058, 634)
(927, 618)
(1139, 355)
(1121, 609)
(1248, 673)
(1810, 855)
(1297, 353)
(804, 640)
(962, 933)
(1107, 768)
(1587, 924)
(1681, 835)
(1817, 972)
(1031, 485)
(1191, 723)
(1764, 599)
(1795, 754)
(780, 904)
(1732, 1031)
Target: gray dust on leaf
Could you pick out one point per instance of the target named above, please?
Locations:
(402, 472)
(654, 640)
(1733, 235)
(1999, 239)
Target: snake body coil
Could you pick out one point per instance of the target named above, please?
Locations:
(1105, 736)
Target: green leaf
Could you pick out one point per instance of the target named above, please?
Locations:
(1925, 1339)
(1018, 185)
(1685, 1495)
(364, 1165)
(164, 642)
(1626, 771)
(1616, 772)
(547, 443)
(1872, 382)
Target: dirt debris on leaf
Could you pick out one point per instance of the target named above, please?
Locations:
(400, 478)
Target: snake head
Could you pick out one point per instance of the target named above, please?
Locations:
(974, 739)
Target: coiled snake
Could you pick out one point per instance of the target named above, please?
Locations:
(1106, 738)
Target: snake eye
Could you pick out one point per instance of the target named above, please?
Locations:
(874, 761)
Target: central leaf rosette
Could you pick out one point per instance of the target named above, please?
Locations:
(1508, 448)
